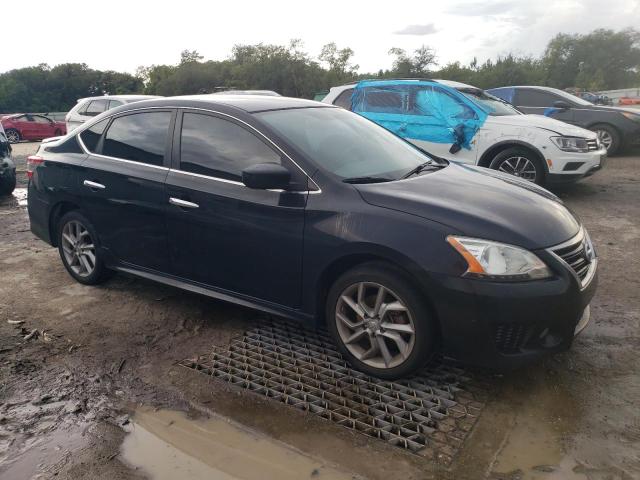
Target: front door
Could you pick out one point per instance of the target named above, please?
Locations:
(221, 233)
(123, 186)
(540, 102)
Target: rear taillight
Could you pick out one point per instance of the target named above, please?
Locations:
(32, 162)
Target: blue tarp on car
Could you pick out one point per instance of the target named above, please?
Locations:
(419, 110)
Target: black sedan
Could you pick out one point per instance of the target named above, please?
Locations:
(616, 127)
(311, 212)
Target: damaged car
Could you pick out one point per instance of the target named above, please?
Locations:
(7, 167)
(313, 213)
(465, 124)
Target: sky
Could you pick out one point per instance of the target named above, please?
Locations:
(122, 35)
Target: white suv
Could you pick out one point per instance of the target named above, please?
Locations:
(89, 107)
(463, 123)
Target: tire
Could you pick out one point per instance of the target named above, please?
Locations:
(76, 259)
(608, 136)
(418, 347)
(520, 162)
(7, 183)
(13, 135)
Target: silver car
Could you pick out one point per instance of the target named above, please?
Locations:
(89, 107)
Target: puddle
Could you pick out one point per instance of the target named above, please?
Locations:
(167, 445)
(42, 452)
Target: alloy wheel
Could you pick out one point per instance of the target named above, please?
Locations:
(78, 248)
(13, 136)
(520, 167)
(605, 138)
(375, 325)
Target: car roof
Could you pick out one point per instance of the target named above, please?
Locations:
(537, 87)
(118, 97)
(447, 83)
(248, 103)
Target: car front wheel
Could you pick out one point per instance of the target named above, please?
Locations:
(13, 135)
(521, 163)
(78, 247)
(380, 322)
(608, 137)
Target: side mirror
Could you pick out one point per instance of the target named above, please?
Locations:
(266, 176)
(561, 104)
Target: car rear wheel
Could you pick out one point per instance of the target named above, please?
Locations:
(521, 163)
(7, 183)
(380, 322)
(13, 135)
(78, 247)
(608, 136)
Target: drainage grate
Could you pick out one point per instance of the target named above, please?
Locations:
(429, 414)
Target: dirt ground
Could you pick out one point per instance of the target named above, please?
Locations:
(79, 365)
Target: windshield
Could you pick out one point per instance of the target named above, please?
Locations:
(492, 105)
(344, 143)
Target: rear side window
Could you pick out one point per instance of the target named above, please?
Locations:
(91, 136)
(219, 148)
(95, 107)
(344, 99)
(535, 98)
(114, 104)
(140, 137)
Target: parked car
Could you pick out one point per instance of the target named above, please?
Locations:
(307, 211)
(27, 126)
(89, 107)
(7, 167)
(465, 124)
(616, 127)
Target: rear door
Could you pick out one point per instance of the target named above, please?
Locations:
(531, 100)
(222, 233)
(44, 127)
(123, 185)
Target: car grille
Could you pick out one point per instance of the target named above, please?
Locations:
(592, 144)
(511, 337)
(576, 256)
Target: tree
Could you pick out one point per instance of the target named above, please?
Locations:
(339, 61)
(188, 56)
(416, 65)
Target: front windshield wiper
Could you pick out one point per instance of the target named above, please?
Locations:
(422, 167)
(368, 179)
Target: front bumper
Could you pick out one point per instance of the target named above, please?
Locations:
(505, 326)
(570, 167)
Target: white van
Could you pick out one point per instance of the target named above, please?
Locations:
(463, 123)
(89, 107)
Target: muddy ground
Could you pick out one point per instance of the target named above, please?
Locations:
(77, 363)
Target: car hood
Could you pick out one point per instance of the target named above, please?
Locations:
(482, 203)
(540, 121)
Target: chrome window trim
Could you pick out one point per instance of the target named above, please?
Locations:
(88, 125)
(593, 265)
(88, 152)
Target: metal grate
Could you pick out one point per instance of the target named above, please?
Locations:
(429, 414)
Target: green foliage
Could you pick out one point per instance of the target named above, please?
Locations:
(602, 59)
(45, 89)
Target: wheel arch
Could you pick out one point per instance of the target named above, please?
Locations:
(57, 212)
(489, 154)
(344, 263)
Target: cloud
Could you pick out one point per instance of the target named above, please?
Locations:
(427, 29)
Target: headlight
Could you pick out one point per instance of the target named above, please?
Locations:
(498, 261)
(632, 116)
(571, 144)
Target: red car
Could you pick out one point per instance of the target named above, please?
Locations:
(25, 126)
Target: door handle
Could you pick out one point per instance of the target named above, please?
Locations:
(90, 184)
(182, 203)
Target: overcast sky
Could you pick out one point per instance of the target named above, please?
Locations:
(122, 35)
